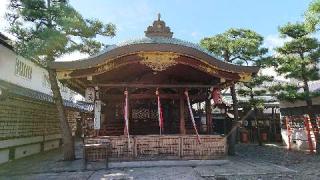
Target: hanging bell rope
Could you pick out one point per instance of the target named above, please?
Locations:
(126, 117)
(160, 114)
(192, 117)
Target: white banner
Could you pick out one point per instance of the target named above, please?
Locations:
(97, 114)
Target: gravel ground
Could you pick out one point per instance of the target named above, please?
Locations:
(251, 162)
(306, 165)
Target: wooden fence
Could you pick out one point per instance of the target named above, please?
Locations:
(155, 147)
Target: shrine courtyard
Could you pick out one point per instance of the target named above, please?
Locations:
(143, 123)
(251, 162)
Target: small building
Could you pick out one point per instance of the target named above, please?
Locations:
(143, 92)
(295, 133)
(29, 122)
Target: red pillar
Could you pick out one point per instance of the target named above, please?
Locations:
(208, 116)
(182, 118)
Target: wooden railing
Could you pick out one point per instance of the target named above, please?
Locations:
(155, 147)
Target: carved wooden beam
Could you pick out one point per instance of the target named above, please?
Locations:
(150, 96)
(137, 85)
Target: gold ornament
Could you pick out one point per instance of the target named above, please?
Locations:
(158, 61)
(106, 67)
(64, 74)
(207, 69)
(245, 77)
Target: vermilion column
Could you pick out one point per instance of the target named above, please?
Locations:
(182, 118)
(208, 116)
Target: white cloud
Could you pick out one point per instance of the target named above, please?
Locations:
(274, 41)
(72, 56)
(194, 34)
(4, 25)
(3, 8)
(271, 72)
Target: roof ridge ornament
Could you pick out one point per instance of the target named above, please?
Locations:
(158, 29)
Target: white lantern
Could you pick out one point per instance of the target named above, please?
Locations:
(90, 95)
(97, 115)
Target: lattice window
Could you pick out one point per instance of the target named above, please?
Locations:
(23, 70)
(154, 113)
(142, 113)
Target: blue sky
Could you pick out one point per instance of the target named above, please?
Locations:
(192, 20)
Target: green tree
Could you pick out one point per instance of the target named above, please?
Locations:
(254, 89)
(47, 29)
(297, 59)
(240, 46)
(312, 16)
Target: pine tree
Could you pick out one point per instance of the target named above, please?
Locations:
(47, 29)
(254, 90)
(297, 59)
(239, 46)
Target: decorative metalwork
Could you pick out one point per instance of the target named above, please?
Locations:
(158, 61)
(64, 74)
(209, 70)
(159, 29)
(245, 77)
(106, 67)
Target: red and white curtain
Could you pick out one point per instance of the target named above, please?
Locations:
(160, 113)
(126, 116)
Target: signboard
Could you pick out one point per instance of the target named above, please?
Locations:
(97, 115)
(90, 95)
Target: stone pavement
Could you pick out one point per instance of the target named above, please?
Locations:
(251, 162)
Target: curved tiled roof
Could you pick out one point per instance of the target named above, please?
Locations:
(163, 40)
(151, 44)
(148, 40)
(158, 38)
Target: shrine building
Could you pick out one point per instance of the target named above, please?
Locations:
(144, 91)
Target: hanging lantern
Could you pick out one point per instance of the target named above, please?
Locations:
(216, 96)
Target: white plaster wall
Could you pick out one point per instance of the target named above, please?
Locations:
(286, 104)
(27, 150)
(4, 156)
(299, 140)
(51, 145)
(28, 146)
(7, 73)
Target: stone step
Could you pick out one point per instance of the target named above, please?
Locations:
(166, 163)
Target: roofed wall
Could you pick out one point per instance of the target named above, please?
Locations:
(37, 81)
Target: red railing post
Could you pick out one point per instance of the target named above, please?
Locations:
(288, 131)
(308, 126)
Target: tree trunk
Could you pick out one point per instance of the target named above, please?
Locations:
(233, 136)
(258, 127)
(67, 139)
(255, 118)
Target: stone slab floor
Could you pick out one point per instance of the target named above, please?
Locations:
(251, 162)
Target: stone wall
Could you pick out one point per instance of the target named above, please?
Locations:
(28, 126)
